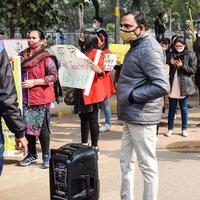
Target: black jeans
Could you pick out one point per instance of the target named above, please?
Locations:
(89, 122)
(44, 138)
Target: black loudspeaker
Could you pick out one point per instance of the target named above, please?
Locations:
(74, 173)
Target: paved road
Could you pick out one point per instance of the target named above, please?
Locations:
(179, 171)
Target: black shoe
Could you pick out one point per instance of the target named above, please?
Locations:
(30, 158)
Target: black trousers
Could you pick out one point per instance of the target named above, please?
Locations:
(44, 138)
(89, 123)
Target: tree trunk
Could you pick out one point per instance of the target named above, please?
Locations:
(80, 15)
(11, 30)
(96, 6)
(136, 5)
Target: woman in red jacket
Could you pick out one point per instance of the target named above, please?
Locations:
(38, 75)
(88, 106)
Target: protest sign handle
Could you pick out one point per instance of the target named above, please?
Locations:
(90, 80)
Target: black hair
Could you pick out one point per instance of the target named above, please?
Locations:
(139, 17)
(173, 36)
(90, 42)
(103, 36)
(160, 14)
(99, 19)
(40, 33)
(165, 41)
(181, 40)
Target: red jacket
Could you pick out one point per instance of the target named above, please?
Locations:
(36, 69)
(102, 86)
(40, 94)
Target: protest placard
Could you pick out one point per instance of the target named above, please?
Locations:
(110, 60)
(13, 47)
(75, 70)
(9, 137)
(120, 50)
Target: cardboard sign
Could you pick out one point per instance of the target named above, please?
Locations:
(13, 47)
(120, 50)
(110, 60)
(9, 137)
(75, 70)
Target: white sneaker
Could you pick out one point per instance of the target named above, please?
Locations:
(185, 133)
(169, 133)
(86, 144)
(104, 128)
(37, 141)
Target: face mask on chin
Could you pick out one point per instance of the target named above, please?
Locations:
(34, 45)
(128, 36)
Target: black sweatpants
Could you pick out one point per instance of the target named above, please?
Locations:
(89, 123)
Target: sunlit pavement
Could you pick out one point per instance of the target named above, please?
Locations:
(178, 163)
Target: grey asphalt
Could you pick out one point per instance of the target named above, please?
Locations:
(179, 161)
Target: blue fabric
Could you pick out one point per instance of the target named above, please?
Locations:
(107, 111)
(1, 46)
(183, 103)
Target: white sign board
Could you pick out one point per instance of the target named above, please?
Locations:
(110, 60)
(76, 68)
(14, 46)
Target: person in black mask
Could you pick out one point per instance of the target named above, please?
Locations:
(182, 65)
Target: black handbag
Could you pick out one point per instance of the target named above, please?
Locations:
(69, 97)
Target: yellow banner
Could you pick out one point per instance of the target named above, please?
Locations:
(8, 136)
(120, 50)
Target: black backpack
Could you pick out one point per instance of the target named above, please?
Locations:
(57, 86)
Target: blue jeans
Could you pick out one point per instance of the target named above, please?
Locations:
(183, 103)
(107, 111)
(1, 149)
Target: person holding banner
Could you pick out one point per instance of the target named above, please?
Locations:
(39, 73)
(88, 106)
(9, 107)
